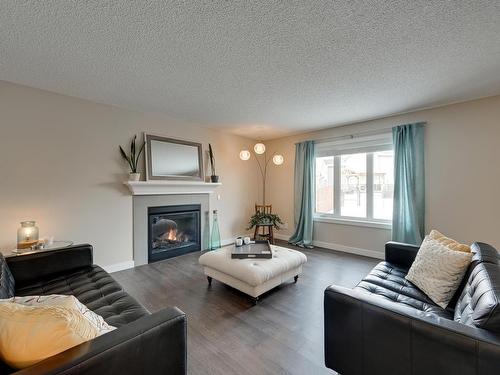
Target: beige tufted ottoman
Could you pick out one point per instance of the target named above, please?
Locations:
(253, 276)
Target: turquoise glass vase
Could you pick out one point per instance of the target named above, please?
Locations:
(215, 237)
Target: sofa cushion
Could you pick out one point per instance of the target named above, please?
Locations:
(65, 301)
(479, 302)
(388, 280)
(31, 334)
(7, 284)
(438, 270)
(96, 289)
(404, 299)
(392, 277)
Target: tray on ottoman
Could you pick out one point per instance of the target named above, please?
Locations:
(257, 250)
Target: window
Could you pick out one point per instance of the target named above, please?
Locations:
(324, 184)
(383, 184)
(353, 185)
(355, 180)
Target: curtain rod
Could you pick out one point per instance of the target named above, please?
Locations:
(351, 136)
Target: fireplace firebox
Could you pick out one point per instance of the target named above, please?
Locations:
(173, 231)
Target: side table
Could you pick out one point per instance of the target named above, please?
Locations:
(54, 246)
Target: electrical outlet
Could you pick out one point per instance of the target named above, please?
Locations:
(218, 197)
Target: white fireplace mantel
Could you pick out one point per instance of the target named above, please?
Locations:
(170, 187)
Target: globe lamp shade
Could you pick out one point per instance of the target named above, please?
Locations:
(245, 155)
(278, 159)
(259, 148)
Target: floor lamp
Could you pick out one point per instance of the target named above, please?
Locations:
(260, 149)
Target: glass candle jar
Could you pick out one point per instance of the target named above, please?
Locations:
(27, 235)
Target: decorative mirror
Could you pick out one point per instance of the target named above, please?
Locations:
(173, 159)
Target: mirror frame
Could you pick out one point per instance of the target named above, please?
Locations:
(149, 170)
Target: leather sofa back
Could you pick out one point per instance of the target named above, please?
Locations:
(479, 301)
(7, 284)
(484, 252)
(38, 266)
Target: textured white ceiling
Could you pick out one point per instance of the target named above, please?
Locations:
(260, 68)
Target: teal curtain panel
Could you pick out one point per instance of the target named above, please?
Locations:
(408, 220)
(304, 194)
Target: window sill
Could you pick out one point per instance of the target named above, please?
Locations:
(353, 222)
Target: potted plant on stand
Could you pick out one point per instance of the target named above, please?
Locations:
(133, 159)
(213, 177)
(264, 219)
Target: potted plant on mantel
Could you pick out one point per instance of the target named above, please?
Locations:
(213, 177)
(133, 159)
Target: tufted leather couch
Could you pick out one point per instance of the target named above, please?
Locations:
(386, 325)
(144, 343)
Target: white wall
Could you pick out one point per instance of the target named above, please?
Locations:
(60, 166)
(462, 175)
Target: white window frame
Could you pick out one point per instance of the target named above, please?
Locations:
(368, 145)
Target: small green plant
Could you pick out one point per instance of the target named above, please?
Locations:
(133, 157)
(212, 159)
(261, 218)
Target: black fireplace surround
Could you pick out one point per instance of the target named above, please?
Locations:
(173, 230)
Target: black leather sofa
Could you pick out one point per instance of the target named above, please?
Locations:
(143, 343)
(386, 325)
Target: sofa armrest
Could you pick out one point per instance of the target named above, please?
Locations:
(366, 333)
(42, 264)
(154, 344)
(400, 253)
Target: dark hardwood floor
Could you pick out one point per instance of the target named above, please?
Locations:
(283, 334)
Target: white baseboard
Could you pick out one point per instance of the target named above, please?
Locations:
(283, 237)
(349, 249)
(227, 241)
(223, 242)
(345, 249)
(119, 266)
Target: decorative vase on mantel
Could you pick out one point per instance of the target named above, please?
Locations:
(215, 237)
(134, 176)
(214, 179)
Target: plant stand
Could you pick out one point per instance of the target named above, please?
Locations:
(266, 234)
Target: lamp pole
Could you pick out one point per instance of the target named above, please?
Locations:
(263, 172)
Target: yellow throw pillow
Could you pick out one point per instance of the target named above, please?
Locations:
(448, 242)
(31, 334)
(67, 301)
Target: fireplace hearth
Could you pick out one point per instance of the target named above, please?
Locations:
(173, 230)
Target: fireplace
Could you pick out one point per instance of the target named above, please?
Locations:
(173, 231)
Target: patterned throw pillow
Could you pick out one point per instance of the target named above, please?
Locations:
(438, 270)
(68, 302)
(448, 242)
